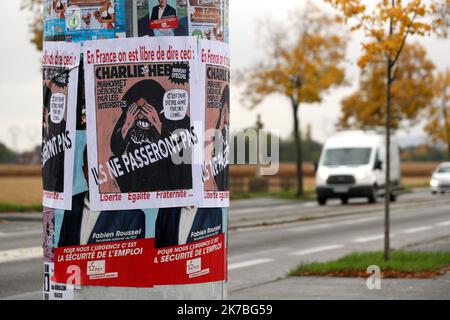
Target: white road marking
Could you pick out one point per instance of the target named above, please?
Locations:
(369, 239)
(20, 233)
(361, 220)
(332, 224)
(317, 250)
(444, 224)
(249, 263)
(269, 252)
(313, 227)
(20, 254)
(240, 211)
(416, 230)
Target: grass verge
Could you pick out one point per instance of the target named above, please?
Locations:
(11, 207)
(403, 264)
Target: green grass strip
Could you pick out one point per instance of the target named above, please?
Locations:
(12, 207)
(401, 261)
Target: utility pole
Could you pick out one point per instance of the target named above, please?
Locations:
(387, 192)
(295, 99)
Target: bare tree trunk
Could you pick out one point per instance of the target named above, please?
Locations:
(387, 198)
(298, 146)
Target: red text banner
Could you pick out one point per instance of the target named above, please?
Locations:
(112, 264)
(165, 23)
(199, 262)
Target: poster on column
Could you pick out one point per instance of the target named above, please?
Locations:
(161, 18)
(102, 248)
(94, 19)
(54, 21)
(207, 19)
(139, 248)
(216, 158)
(60, 84)
(140, 109)
(190, 246)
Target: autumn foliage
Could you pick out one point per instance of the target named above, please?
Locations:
(412, 92)
(438, 116)
(303, 61)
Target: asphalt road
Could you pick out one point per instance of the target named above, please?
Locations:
(267, 238)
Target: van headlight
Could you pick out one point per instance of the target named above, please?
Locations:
(434, 183)
(323, 176)
(361, 175)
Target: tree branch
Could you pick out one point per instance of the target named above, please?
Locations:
(400, 49)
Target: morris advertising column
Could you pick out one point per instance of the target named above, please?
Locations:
(135, 149)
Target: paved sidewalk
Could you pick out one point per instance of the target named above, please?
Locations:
(322, 288)
(314, 288)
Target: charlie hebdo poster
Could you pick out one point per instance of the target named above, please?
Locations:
(140, 122)
(60, 77)
(215, 61)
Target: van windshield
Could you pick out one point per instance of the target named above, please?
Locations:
(444, 169)
(347, 157)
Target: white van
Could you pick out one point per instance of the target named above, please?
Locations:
(352, 165)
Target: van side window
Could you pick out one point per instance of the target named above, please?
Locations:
(377, 163)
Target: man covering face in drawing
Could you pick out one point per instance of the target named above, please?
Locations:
(142, 124)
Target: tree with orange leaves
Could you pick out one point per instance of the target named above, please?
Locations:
(303, 61)
(36, 25)
(412, 92)
(387, 24)
(438, 126)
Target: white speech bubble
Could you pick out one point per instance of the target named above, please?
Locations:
(176, 104)
(57, 107)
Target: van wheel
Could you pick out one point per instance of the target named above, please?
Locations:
(344, 201)
(322, 201)
(373, 197)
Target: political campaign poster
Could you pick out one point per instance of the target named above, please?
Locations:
(190, 246)
(102, 248)
(207, 19)
(60, 77)
(139, 248)
(54, 19)
(95, 19)
(161, 18)
(141, 110)
(216, 65)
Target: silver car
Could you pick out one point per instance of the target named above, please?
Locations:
(440, 181)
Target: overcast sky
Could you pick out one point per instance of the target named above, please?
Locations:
(20, 76)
